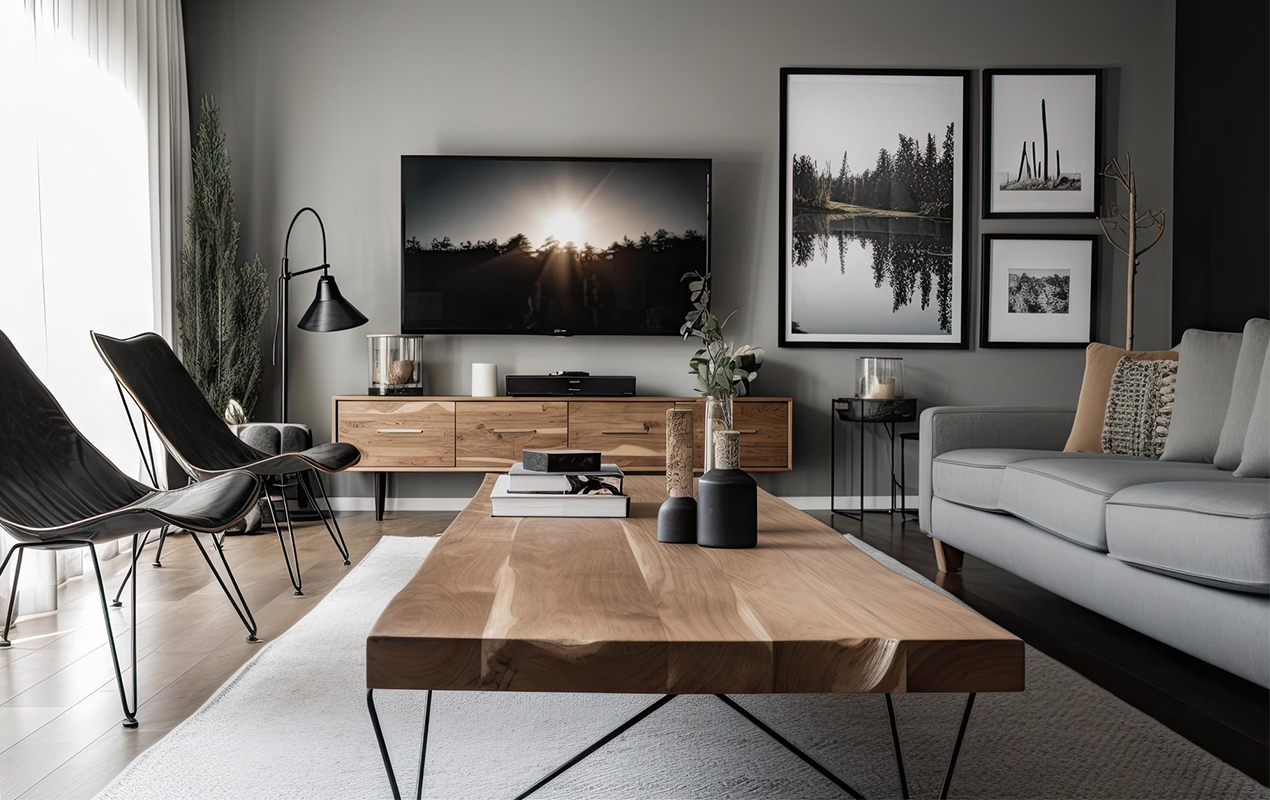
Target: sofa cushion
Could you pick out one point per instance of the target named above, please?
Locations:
(1205, 373)
(1217, 534)
(973, 477)
(1254, 462)
(1243, 394)
(1068, 497)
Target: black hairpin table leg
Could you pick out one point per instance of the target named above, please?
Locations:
(383, 746)
(650, 709)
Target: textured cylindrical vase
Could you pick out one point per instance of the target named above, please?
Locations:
(484, 380)
(677, 517)
(727, 498)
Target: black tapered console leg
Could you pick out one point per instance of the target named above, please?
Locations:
(381, 492)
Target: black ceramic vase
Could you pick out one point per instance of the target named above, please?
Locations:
(677, 521)
(727, 498)
(677, 518)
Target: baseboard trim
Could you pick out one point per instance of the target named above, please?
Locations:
(806, 503)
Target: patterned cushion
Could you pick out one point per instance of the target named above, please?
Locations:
(1139, 407)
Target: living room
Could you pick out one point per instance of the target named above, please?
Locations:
(588, 398)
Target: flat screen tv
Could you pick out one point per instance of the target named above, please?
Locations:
(554, 246)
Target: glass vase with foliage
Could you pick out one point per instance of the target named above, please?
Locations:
(723, 372)
(220, 304)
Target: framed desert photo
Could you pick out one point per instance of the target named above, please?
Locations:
(1039, 290)
(874, 198)
(1042, 136)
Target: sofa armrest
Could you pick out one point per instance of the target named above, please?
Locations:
(945, 428)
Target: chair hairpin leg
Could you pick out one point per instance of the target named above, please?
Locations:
(130, 714)
(239, 604)
(132, 567)
(163, 539)
(294, 574)
(336, 535)
(13, 589)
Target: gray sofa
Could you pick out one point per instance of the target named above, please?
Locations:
(1178, 550)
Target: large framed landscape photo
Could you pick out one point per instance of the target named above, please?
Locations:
(874, 199)
(1042, 143)
(1039, 290)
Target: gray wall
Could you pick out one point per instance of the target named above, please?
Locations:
(320, 98)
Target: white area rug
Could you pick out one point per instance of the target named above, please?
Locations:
(292, 723)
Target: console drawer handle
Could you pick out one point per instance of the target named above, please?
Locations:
(399, 430)
(636, 432)
(513, 430)
(747, 432)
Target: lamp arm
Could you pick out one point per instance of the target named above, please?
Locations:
(287, 243)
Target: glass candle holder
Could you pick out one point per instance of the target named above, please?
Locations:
(879, 378)
(396, 364)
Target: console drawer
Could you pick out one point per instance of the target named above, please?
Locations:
(404, 433)
(493, 434)
(764, 428)
(629, 434)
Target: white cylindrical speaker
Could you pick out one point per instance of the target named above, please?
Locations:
(484, 380)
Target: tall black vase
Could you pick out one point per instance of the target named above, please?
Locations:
(727, 499)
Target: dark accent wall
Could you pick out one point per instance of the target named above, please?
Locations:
(1221, 261)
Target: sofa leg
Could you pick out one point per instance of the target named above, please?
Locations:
(947, 557)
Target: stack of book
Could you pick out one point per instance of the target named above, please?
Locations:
(560, 483)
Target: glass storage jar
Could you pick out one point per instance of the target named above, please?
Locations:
(396, 364)
(879, 378)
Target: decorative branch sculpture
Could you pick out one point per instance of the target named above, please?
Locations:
(1115, 220)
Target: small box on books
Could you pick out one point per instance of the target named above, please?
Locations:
(561, 460)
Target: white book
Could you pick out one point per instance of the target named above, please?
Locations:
(505, 503)
(525, 480)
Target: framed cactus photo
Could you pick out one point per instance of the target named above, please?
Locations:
(1042, 143)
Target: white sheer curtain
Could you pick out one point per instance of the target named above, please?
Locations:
(94, 177)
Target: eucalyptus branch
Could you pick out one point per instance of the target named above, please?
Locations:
(721, 370)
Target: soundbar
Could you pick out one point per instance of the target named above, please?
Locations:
(565, 385)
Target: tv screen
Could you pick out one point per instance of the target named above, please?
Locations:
(556, 246)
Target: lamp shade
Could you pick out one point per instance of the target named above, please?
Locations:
(329, 311)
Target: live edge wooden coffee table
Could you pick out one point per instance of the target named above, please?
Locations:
(597, 605)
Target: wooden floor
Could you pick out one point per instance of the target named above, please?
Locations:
(59, 710)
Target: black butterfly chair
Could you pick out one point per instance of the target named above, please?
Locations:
(58, 492)
(145, 366)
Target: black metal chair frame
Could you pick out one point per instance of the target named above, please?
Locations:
(61, 493)
(271, 484)
(239, 603)
(648, 711)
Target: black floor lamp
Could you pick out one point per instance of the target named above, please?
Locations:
(328, 312)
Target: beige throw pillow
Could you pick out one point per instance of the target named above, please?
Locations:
(1091, 409)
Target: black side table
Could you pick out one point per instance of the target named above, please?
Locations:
(886, 413)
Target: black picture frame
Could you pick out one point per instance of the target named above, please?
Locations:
(986, 155)
(985, 281)
(965, 150)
